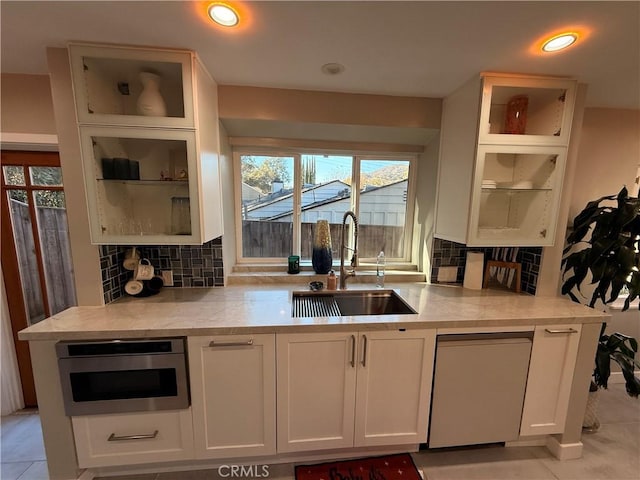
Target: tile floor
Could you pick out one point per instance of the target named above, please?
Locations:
(613, 453)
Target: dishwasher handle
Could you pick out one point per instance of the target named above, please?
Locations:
(498, 337)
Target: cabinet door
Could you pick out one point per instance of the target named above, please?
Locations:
(316, 390)
(142, 186)
(233, 395)
(109, 86)
(393, 392)
(553, 359)
(516, 194)
(526, 110)
(132, 438)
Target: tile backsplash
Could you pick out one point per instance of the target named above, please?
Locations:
(113, 275)
(452, 254)
(192, 265)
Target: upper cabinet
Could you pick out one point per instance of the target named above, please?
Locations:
(526, 111)
(121, 85)
(503, 152)
(148, 126)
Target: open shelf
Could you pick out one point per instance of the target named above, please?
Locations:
(109, 86)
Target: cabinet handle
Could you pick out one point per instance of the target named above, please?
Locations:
(353, 351)
(117, 438)
(364, 351)
(246, 343)
(560, 330)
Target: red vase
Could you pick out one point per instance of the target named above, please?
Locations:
(515, 119)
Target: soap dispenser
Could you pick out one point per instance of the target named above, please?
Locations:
(380, 266)
(332, 281)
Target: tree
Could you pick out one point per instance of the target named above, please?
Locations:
(262, 173)
(15, 175)
(309, 171)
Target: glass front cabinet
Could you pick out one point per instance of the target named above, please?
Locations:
(526, 111)
(150, 167)
(515, 195)
(506, 137)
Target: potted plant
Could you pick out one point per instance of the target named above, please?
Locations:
(602, 252)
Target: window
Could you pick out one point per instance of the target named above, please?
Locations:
(282, 196)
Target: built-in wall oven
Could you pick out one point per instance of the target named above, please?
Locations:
(123, 375)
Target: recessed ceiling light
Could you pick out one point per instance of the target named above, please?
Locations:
(332, 68)
(223, 14)
(558, 42)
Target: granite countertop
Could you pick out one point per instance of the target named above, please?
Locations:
(267, 309)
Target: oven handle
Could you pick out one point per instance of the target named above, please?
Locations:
(246, 343)
(121, 438)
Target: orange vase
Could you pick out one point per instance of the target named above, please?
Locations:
(515, 119)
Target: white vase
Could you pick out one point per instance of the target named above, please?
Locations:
(150, 102)
(590, 422)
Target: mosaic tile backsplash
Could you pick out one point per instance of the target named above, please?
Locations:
(192, 265)
(452, 254)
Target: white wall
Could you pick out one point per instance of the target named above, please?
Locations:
(10, 385)
(228, 200)
(85, 257)
(425, 206)
(26, 104)
(608, 156)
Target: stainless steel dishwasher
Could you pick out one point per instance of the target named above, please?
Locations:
(478, 388)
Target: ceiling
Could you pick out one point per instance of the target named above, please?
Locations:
(419, 48)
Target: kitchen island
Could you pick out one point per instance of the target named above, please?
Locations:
(263, 314)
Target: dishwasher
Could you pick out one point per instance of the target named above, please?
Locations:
(478, 388)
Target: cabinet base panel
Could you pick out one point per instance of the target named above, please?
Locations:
(317, 456)
(564, 451)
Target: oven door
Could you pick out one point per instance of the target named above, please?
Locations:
(123, 383)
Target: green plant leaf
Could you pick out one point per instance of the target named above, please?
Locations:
(578, 234)
(568, 285)
(602, 369)
(612, 262)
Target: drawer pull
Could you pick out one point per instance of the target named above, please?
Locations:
(122, 438)
(246, 343)
(560, 330)
(353, 351)
(364, 351)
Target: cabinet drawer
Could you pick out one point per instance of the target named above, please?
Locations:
(141, 437)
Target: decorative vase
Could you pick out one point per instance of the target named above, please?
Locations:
(322, 258)
(150, 102)
(515, 120)
(590, 423)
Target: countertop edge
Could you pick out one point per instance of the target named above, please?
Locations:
(309, 328)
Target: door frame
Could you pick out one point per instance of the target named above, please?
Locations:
(10, 266)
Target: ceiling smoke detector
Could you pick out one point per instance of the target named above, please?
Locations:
(332, 68)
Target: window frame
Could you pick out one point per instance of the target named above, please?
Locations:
(297, 154)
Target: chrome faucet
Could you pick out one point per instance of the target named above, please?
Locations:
(351, 273)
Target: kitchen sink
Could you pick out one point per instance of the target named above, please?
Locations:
(348, 302)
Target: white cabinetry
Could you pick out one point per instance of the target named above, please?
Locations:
(233, 395)
(393, 388)
(149, 179)
(502, 159)
(553, 359)
(339, 390)
(132, 438)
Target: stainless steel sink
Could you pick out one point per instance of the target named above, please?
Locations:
(348, 302)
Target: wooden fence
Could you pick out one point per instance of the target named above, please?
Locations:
(274, 239)
(56, 254)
